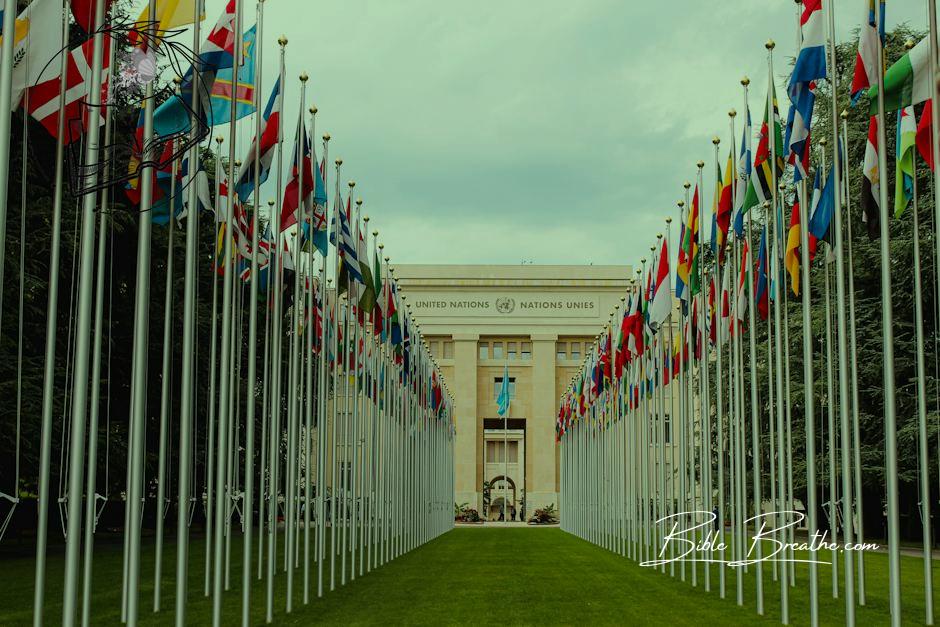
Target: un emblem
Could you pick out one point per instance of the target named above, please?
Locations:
(505, 305)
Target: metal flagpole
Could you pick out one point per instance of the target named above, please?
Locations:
(91, 492)
(922, 441)
(856, 518)
(188, 393)
(225, 410)
(309, 332)
(251, 379)
(6, 109)
(52, 306)
(830, 411)
(752, 339)
(704, 386)
(887, 321)
(336, 373)
(275, 274)
(808, 406)
(719, 408)
(138, 393)
(845, 443)
(165, 384)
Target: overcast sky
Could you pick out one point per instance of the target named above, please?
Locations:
(542, 130)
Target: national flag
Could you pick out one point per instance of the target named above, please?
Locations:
(820, 213)
(687, 271)
(792, 256)
(907, 82)
(635, 326)
(391, 313)
(712, 311)
(37, 43)
(871, 182)
(925, 134)
(870, 42)
(622, 356)
(217, 53)
(681, 263)
(661, 304)
(341, 237)
(378, 312)
(723, 219)
(744, 175)
(810, 66)
(301, 176)
(42, 101)
(904, 146)
(220, 98)
(170, 14)
(760, 290)
(743, 293)
(270, 135)
(725, 302)
(761, 181)
(367, 293)
(84, 12)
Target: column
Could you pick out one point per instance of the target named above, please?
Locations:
(466, 455)
(540, 426)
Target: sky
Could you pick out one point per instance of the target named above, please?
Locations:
(527, 131)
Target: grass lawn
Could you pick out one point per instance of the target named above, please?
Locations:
(467, 576)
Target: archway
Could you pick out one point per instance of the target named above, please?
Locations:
(503, 489)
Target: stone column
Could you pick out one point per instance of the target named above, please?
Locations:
(466, 455)
(540, 427)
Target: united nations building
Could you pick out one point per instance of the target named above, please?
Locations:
(536, 320)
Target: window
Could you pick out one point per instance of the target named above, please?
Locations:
(448, 349)
(511, 350)
(561, 350)
(491, 452)
(525, 350)
(497, 350)
(498, 384)
(495, 452)
(576, 351)
(435, 349)
(484, 350)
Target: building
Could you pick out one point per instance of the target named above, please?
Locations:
(537, 321)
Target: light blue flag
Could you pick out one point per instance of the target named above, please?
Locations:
(502, 401)
(221, 111)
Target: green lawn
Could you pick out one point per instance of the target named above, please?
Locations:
(468, 576)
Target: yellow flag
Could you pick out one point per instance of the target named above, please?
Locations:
(172, 14)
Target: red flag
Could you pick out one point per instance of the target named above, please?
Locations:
(43, 99)
(924, 133)
(84, 12)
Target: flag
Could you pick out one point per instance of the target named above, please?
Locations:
(761, 181)
(810, 66)
(301, 174)
(904, 146)
(391, 312)
(871, 182)
(37, 43)
(687, 270)
(84, 12)
(367, 293)
(270, 135)
(744, 175)
(760, 290)
(907, 82)
(341, 237)
(42, 102)
(820, 212)
(725, 302)
(170, 14)
(870, 39)
(723, 218)
(217, 53)
(378, 313)
(220, 98)
(925, 134)
(635, 326)
(792, 256)
(681, 263)
(742, 295)
(661, 304)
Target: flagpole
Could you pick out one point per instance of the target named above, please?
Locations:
(187, 392)
(324, 390)
(6, 109)
(853, 349)
(887, 321)
(336, 373)
(52, 306)
(138, 393)
(91, 503)
(923, 453)
(719, 406)
(275, 274)
(752, 339)
(251, 378)
(808, 405)
(165, 383)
